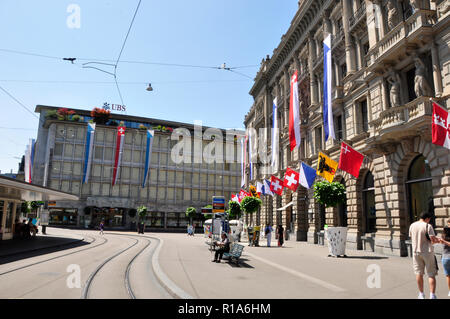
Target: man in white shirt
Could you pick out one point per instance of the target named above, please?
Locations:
(423, 237)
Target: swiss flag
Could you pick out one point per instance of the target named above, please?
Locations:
(242, 195)
(350, 160)
(276, 185)
(291, 179)
(235, 198)
(441, 126)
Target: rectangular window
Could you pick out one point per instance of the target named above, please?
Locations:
(187, 194)
(195, 179)
(154, 160)
(125, 174)
(65, 185)
(187, 178)
(54, 184)
(204, 180)
(76, 188)
(105, 189)
(58, 150)
(171, 177)
(81, 133)
(179, 194)
(135, 174)
(136, 156)
(97, 171)
(179, 177)
(143, 193)
(195, 194)
(67, 168)
(68, 150)
(203, 195)
(153, 175)
(108, 153)
(161, 194)
(115, 191)
(77, 169)
(124, 190)
(107, 171)
(163, 176)
(110, 135)
(98, 152)
(170, 193)
(152, 193)
(95, 189)
(56, 168)
(318, 137)
(79, 151)
(339, 128)
(126, 156)
(364, 116)
(99, 135)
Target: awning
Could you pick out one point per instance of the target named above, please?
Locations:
(19, 190)
(287, 206)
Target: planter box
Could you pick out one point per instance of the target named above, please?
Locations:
(336, 238)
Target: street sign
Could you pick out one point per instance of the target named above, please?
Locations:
(206, 211)
(218, 204)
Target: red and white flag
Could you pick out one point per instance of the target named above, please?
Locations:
(235, 198)
(118, 156)
(242, 195)
(350, 160)
(294, 114)
(441, 126)
(291, 179)
(276, 185)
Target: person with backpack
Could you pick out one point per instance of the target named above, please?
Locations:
(268, 232)
(423, 237)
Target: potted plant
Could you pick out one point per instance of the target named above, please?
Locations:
(190, 213)
(100, 116)
(331, 195)
(234, 210)
(76, 118)
(64, 114)
(250, 204)
(51, 115)
(142, 127)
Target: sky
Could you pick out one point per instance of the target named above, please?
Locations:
(207, 33)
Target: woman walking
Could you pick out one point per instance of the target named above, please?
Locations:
(280, 233)
(102, 226)
(268, 232)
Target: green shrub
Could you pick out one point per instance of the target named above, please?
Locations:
(329, 194)
(250, 204)
(234, 210)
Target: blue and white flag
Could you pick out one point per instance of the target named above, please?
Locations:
(29, 159)
(266, 188)
(88, 153)
(242, 162)
(307, 175)
(275, 145)
(148, 155)
(327, 101)
(250, 157)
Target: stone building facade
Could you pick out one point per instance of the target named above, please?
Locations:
(172, 186)
(389, 58)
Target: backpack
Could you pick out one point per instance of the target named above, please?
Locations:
(267, 230)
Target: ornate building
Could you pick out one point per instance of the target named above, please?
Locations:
(389, 58)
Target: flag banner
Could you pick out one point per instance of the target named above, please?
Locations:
(148, 154)
(350, 160)
(276, 186)
(259, 188)
(88, 152)
(326, 167)
(275, 137)
(307, 175)
(253, 191)
(294, 114)
(291, 179)
(119, 149)
(266, 188)
(33, 147)
(250, 155)
(242, 195)
(242, 163)
(235, 198)
(29, 156)
(327, 101)
(441, 126)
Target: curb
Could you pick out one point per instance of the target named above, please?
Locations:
(168, 284)
(42, 248)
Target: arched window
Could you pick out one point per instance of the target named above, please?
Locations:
(369, 204)
(420, 189)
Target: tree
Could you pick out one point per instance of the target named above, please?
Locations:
(250, 204)
(190, 213)
(234, 210)
(329, 194)
(142, 212)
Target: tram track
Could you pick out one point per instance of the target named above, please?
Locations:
(105, 240)
(88, 284)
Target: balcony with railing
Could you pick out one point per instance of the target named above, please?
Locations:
(404, 120)
(358, 16)
(412, 31)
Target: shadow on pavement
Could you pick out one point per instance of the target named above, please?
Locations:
(241, 264)
(364, 257)
(19, 249)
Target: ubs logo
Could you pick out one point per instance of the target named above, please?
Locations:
(114, 107)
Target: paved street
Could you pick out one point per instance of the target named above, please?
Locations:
(165, 265)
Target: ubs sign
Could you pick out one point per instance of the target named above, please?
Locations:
(114, 107)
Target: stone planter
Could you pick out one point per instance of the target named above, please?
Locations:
(336, 238)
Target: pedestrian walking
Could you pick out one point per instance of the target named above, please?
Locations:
(102, 226)
(280, 233)
(268, 232)
(446, 253)
(423, 237)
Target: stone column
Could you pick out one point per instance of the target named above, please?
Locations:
(326, 23)
(371, 23)
(349, 46)
(312, 78)
(437, 77)
(287, 90)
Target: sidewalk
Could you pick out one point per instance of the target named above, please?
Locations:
(54, 238)
(297, 270)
